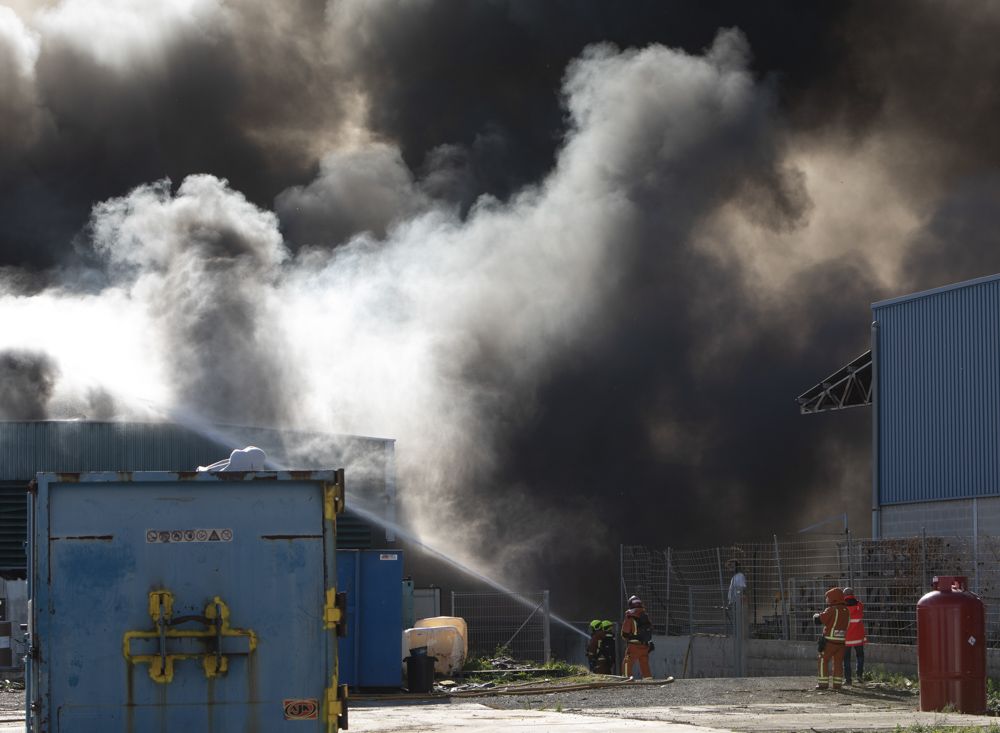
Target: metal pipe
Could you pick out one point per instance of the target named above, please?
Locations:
(876, 524)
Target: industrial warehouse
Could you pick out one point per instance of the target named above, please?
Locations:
(387, 366)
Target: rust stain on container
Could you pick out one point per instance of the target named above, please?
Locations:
(253, 725)
(129, 699)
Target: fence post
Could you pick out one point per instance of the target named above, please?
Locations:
(924, 584)
(547, 639)
(975, 542)
(850, 559)
(722, 584)
(666, 625)
(781, 591)
(690, 611)
(736, 611)
(621, 576)
(453, 603)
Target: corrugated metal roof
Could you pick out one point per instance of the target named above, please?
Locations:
(935, 291)
(27, 448)
(938, 393)
(72, 446)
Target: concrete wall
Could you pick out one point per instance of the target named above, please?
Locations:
(700, 655)
(940, 518)
(712, 656)
(775, 658)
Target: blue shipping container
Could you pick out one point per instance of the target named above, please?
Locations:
(370, 654)
(184, 602)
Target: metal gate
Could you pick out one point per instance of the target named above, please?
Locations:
(501, 621)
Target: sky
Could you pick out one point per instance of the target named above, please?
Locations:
(577, 258)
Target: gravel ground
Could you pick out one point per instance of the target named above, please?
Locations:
(11, 704)
(775, 694)
(758, 691)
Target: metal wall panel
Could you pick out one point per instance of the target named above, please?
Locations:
(370, 654)
(938, 393)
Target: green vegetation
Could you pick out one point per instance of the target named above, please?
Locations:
(891, 679)
(492, 664)
(992, 696)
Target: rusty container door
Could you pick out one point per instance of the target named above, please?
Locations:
(165, 602)
(951, 647)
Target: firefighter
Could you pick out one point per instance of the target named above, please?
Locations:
(835, 620)
(855, 639)
(637, 631)
(606, 652)
(593, 646)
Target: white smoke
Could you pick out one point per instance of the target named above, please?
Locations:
(391, 336)
(121, 34)
(20, 115)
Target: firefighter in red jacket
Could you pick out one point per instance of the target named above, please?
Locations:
(855, 636)
(637, 631)
(835, 620)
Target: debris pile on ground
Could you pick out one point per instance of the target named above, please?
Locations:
(450, 686)
(502, 662)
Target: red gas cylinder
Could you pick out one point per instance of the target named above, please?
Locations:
(951, 647)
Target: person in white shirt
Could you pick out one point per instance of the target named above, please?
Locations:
(737, 586)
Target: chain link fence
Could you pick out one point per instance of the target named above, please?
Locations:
(688, 591)
(495, 620)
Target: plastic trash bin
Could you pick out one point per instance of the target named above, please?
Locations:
(419, 670)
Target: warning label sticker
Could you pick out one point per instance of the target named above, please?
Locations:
(301, 708)
(164, 536)
(388, 556)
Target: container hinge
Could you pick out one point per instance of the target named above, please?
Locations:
(335, 612)
(335, 707)
(333, 497)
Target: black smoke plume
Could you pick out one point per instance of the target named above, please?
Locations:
(578, 257)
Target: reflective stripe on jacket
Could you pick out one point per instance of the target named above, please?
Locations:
(835, 621)
(637, 628)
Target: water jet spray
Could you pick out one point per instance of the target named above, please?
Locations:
(192, 421)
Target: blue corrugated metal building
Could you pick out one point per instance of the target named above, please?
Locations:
(932, 378)
(936, 399)
(27, 448)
